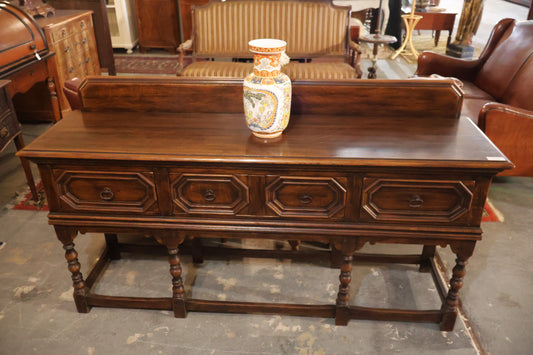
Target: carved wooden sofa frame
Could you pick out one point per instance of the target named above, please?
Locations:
(313, 30)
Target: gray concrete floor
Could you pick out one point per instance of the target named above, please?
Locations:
(37, 313)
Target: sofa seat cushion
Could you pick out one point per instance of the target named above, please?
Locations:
(295, 70)
(472, 91)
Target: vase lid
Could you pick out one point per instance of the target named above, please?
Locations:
(267, 45)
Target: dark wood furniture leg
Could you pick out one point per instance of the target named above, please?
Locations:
(53, 97)
(19, 143)
(347, 246)
(428, 252)
(464, 251)
(171, 240)
(111, 240)
(66, 236)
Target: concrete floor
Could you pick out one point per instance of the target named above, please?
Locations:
(37, 313)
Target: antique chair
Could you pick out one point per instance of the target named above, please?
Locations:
(497, 89)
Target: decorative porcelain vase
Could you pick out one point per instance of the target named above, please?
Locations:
(267, 91)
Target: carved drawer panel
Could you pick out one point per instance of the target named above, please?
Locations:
(126, 192)
(290, 196)
(209, 194)
(415, 200)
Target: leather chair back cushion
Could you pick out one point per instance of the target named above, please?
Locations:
(501, 67)
(520, 89)
(310, 28)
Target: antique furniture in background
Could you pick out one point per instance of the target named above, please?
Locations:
(503, 77)
(375, 37)
(367, 180)
(410, 21)
(122, 26)
(10, 130)
(186, 17)
(437, 21)
(35, 7)
(70, 34)
(158, 24)
(101, 28)
(27, 61)
(219, 32)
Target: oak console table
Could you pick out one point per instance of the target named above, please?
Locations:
(349, 170)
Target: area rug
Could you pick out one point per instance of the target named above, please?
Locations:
(143, 64)
(25, 202)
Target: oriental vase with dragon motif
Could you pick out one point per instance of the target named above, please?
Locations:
(267, 91)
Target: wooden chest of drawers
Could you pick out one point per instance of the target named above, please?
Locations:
(70, 35)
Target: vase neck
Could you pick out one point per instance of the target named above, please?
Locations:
(267, 65)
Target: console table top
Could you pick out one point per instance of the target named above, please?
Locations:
(309, 139)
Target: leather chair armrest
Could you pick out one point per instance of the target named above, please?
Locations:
(510, 129)
(434, 63)
(71, 88)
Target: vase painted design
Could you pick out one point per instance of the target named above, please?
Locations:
(267, 91)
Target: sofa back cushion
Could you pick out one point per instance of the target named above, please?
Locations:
(505, 62)
(310, 28)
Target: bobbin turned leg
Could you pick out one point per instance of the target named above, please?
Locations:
(66, 236)
(172, 240)
(347, 247)
(464, 251)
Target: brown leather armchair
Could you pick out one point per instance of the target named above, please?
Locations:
(497, 89)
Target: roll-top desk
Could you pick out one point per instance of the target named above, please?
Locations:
(343, 179)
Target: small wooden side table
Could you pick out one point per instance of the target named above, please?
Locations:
(376, 39)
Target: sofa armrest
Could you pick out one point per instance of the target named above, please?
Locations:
(185, 46)
(71, 88)
(510, 129)
(434, 63)
(355, 57)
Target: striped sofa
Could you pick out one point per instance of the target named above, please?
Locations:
(316, 32)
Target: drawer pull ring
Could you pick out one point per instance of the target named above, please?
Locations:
(305, 199)
(4, 132)
(416, 202)
(210, 196)
(107, 194)
(67, 49)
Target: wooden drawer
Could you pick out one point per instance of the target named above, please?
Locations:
(415, 200)
(209, 194)
(68, 29)
(107, 191)
(290, 196)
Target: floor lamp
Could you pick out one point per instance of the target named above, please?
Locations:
(410, 21)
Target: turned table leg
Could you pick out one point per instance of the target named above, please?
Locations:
(172, 240)
(53, 98)
(347, 246)
(464, 251)
(66, 236)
